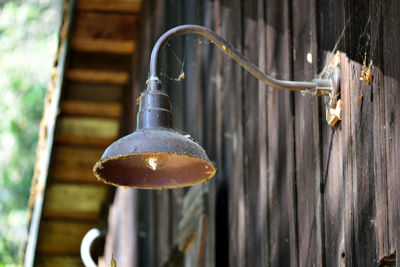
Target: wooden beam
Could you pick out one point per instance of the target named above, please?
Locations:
(62, 237)
(93, 92)
(103, 45)
(71, 201)
(68, 139)
(74, 164)
(125, 6)
(59, 261)
(87, 131)
(92, 109)
(105, 26)
(88, 127)
(98, 76)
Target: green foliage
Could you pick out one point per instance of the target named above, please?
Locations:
(27, 46)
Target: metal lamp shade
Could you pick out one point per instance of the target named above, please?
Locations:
(155, 156)
(154, 159)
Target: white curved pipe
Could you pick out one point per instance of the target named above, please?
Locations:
(87, 241)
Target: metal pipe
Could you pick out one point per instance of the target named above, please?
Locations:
(86, 244)
(320, 87)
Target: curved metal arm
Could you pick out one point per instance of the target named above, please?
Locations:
(320, 87)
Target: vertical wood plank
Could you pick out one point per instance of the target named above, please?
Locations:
(362, 134)
(379, 130)
(122, 231)
(216, 241)
(262, 190)
(336, 183)
(391, 54)
(343, 142)
(163, 221)
(231, 83)
(307, 139)
(193, 82)
(176, 90)
(254, 133)
(280, 143)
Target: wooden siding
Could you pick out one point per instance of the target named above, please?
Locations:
(290, 190)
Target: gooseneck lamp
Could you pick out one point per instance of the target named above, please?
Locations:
(156, 156)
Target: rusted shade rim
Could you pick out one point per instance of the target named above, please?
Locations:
(211, 170)
(154, 158)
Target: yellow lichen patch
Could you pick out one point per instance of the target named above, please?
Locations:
(137, 101)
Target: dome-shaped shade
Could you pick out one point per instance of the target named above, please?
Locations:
(154, 159)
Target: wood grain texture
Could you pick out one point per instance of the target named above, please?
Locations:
(391, 54)
(215, 234)
(335, 187)
(363, 139)
(307, 136)
(343, 176)
(281, 168)
(379, 131)
(233, 134)
(254, 135)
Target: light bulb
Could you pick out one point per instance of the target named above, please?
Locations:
(155, 161)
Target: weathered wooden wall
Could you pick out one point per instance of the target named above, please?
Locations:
(290, 190)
